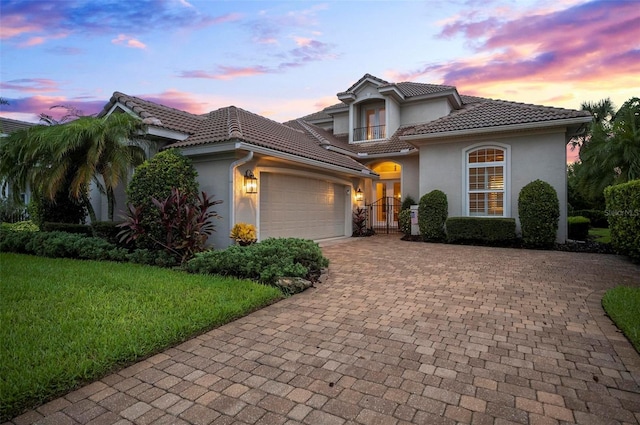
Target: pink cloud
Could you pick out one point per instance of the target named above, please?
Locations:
(585, 43)
(33, 41)
(16, 25)
(42, 104)
(226, 73)
(30, 85)
(128, 42)
(178, 100)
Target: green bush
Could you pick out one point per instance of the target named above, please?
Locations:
(481, 230)
(539, 211)
(432, 214)
(82, 229)
(79, 246)
(623, 212)
(404, 221)
(406, 204)
(11, 212)
(155, 178)
(21, 226)
(578, 227)
(107, 230)
(596, 217)
(266, 261)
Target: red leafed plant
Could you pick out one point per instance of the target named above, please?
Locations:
(186, 224)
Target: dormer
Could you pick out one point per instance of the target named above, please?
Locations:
(378, 108)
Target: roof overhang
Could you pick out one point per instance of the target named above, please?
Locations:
(568, 124)
(152, 130)
(392, 91)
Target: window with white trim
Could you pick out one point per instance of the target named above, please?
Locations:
(485, 181)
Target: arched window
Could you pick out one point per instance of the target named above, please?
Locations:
(486, 181)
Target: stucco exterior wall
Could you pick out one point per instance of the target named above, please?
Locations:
(425, 111)
(533, 156)
(341, 123)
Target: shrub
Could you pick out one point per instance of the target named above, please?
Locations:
(59, 245)
(265, 261)
(481, 230)
(60, 210)
(578, 227)
(107, 230)
(360, 223)
(623, 212)
(155, 178)
(243, 233)
(21, 226)
(404, 221)
(539, 210)
(406, 204)
(596, 217)
(432, 214)
(82, 229)
(186, 225)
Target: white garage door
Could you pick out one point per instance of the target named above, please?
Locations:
(300, 207)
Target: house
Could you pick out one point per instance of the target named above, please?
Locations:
(381, 142)
(8, 126)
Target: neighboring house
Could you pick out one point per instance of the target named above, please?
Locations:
(8, 126)
(383, 141)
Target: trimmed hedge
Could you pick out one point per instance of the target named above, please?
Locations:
(596, 217)
(265, 261)
(623, 212)
(432, 215)
(578, 227)
(79, 246)
(81, 229)
(539, 211)
(481, 230)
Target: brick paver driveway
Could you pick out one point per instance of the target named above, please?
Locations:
(400, 333)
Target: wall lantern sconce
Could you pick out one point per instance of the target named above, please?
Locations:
(359, 195)
(250, 182)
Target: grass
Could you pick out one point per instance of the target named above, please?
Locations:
(65, 322)
(602, 235)
(622, 304)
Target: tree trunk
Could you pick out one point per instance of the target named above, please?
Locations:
(111, 202)
(91, 211)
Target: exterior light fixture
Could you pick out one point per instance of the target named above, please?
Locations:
(250, 182)
(359, 195)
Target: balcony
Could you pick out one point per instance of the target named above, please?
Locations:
(369, 133)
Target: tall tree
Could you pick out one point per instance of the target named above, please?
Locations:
(612, 154)
(92, 149)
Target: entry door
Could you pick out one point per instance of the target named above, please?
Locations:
(387, 210)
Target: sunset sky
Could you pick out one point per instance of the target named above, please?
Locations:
(284, 60)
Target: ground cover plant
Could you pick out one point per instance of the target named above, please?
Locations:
(600, 235)
(622, 304)
(65, 322)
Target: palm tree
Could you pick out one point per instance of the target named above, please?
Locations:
(603, 113)
(612, 154)
(91, 149)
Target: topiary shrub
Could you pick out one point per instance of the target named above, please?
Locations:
(596, 217)
(623, 212)
(432, 215)
(481, 230)
(155, 178)
(578, 227)
(404, 221)
(82, 229)
(539, 211)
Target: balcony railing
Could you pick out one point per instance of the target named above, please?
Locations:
(369, 133)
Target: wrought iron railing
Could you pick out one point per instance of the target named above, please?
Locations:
(369, 133)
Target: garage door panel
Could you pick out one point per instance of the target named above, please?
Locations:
(295, 206)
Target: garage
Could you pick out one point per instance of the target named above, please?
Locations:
(301, 207)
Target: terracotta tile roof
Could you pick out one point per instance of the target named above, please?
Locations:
(8, 126)
(479, 113)
(156, 114)
(236, 124)
(389, 146)
(418, 89)
(364, 77)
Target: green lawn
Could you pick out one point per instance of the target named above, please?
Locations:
(600, 235)
(622, 304)
(65, 322)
